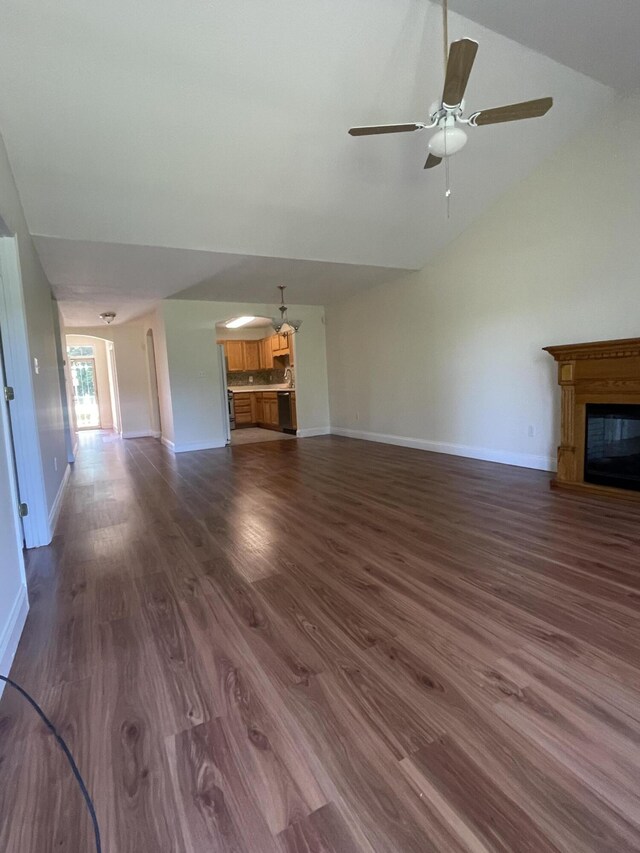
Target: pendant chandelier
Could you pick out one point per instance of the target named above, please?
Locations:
(283, 325)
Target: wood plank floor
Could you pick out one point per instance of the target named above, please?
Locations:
(327, 646)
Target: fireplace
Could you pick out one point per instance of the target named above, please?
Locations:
(612, 445)
(599, 447)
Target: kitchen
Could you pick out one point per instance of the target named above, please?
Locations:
(260, 378)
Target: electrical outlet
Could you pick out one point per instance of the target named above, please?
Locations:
(251, 380)
(531, 431)
(55, 463)
(36, 366)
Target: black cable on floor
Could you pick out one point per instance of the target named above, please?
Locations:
(63, 746)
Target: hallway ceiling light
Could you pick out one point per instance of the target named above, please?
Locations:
(283, 325)
(239, 321)
(108, 317)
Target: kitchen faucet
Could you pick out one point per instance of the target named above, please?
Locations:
(288, 377)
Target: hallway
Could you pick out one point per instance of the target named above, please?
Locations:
(326, 646)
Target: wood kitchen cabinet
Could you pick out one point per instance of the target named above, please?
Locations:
(234, 354)
(243, 409)
(261, 408)
(266, 355)
(258, 406)
(242, 355)
(270, 409)
(280, 345)
(251, 355)
(257, 355)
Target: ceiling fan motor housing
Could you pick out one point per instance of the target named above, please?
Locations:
(449, 139)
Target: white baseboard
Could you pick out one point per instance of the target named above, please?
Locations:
(54, 512)
(167, 443)
(504, 457)
(10, 634)
(144, 433)
(311, 431)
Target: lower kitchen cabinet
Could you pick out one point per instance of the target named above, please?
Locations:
(270, 409)
(260, 408)
(243, 409)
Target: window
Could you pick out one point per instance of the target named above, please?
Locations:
(80, 352)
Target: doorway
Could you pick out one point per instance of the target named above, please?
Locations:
(258, 376)
(85, 392)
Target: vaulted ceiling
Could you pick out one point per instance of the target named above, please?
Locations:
(203, 145)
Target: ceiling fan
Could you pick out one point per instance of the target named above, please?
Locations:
(448, 113)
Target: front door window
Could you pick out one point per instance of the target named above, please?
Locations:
(85, 393)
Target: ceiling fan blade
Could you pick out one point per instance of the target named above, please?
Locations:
(462, 55)
(384, 128)
(514, 112)
(432, 161)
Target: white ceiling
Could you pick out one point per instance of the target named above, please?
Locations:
(597, 37)
(92, 277)
(158, 147)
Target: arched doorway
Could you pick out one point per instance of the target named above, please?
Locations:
(91, 379)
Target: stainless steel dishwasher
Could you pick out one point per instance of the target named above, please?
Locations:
(285, 415)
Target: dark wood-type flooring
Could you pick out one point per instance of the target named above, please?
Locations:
(327, 646)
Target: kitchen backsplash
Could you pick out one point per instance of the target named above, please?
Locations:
(260, 377)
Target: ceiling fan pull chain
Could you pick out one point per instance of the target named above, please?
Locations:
(447, 192)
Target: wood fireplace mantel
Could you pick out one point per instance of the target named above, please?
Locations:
(597, 372)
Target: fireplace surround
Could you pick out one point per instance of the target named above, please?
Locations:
(599, 447)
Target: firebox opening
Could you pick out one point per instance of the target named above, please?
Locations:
(612, 446)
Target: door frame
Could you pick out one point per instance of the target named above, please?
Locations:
(222, 367)
(152, 381)
(24, 419)
(113, 385)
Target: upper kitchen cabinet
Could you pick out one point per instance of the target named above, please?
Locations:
(266, 356)
(251, 355)
(242, 355)
(280, 345)
(257, 355)
(234, 353)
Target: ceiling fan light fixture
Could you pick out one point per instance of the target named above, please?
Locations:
(447, 141)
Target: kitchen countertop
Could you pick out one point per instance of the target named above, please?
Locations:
(243, 389)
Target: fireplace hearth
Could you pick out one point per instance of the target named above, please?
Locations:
(599, 416)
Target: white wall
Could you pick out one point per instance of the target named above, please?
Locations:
(102, 374)
(131, 367)
(195, 378)
(39, 308)
(450, 358)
